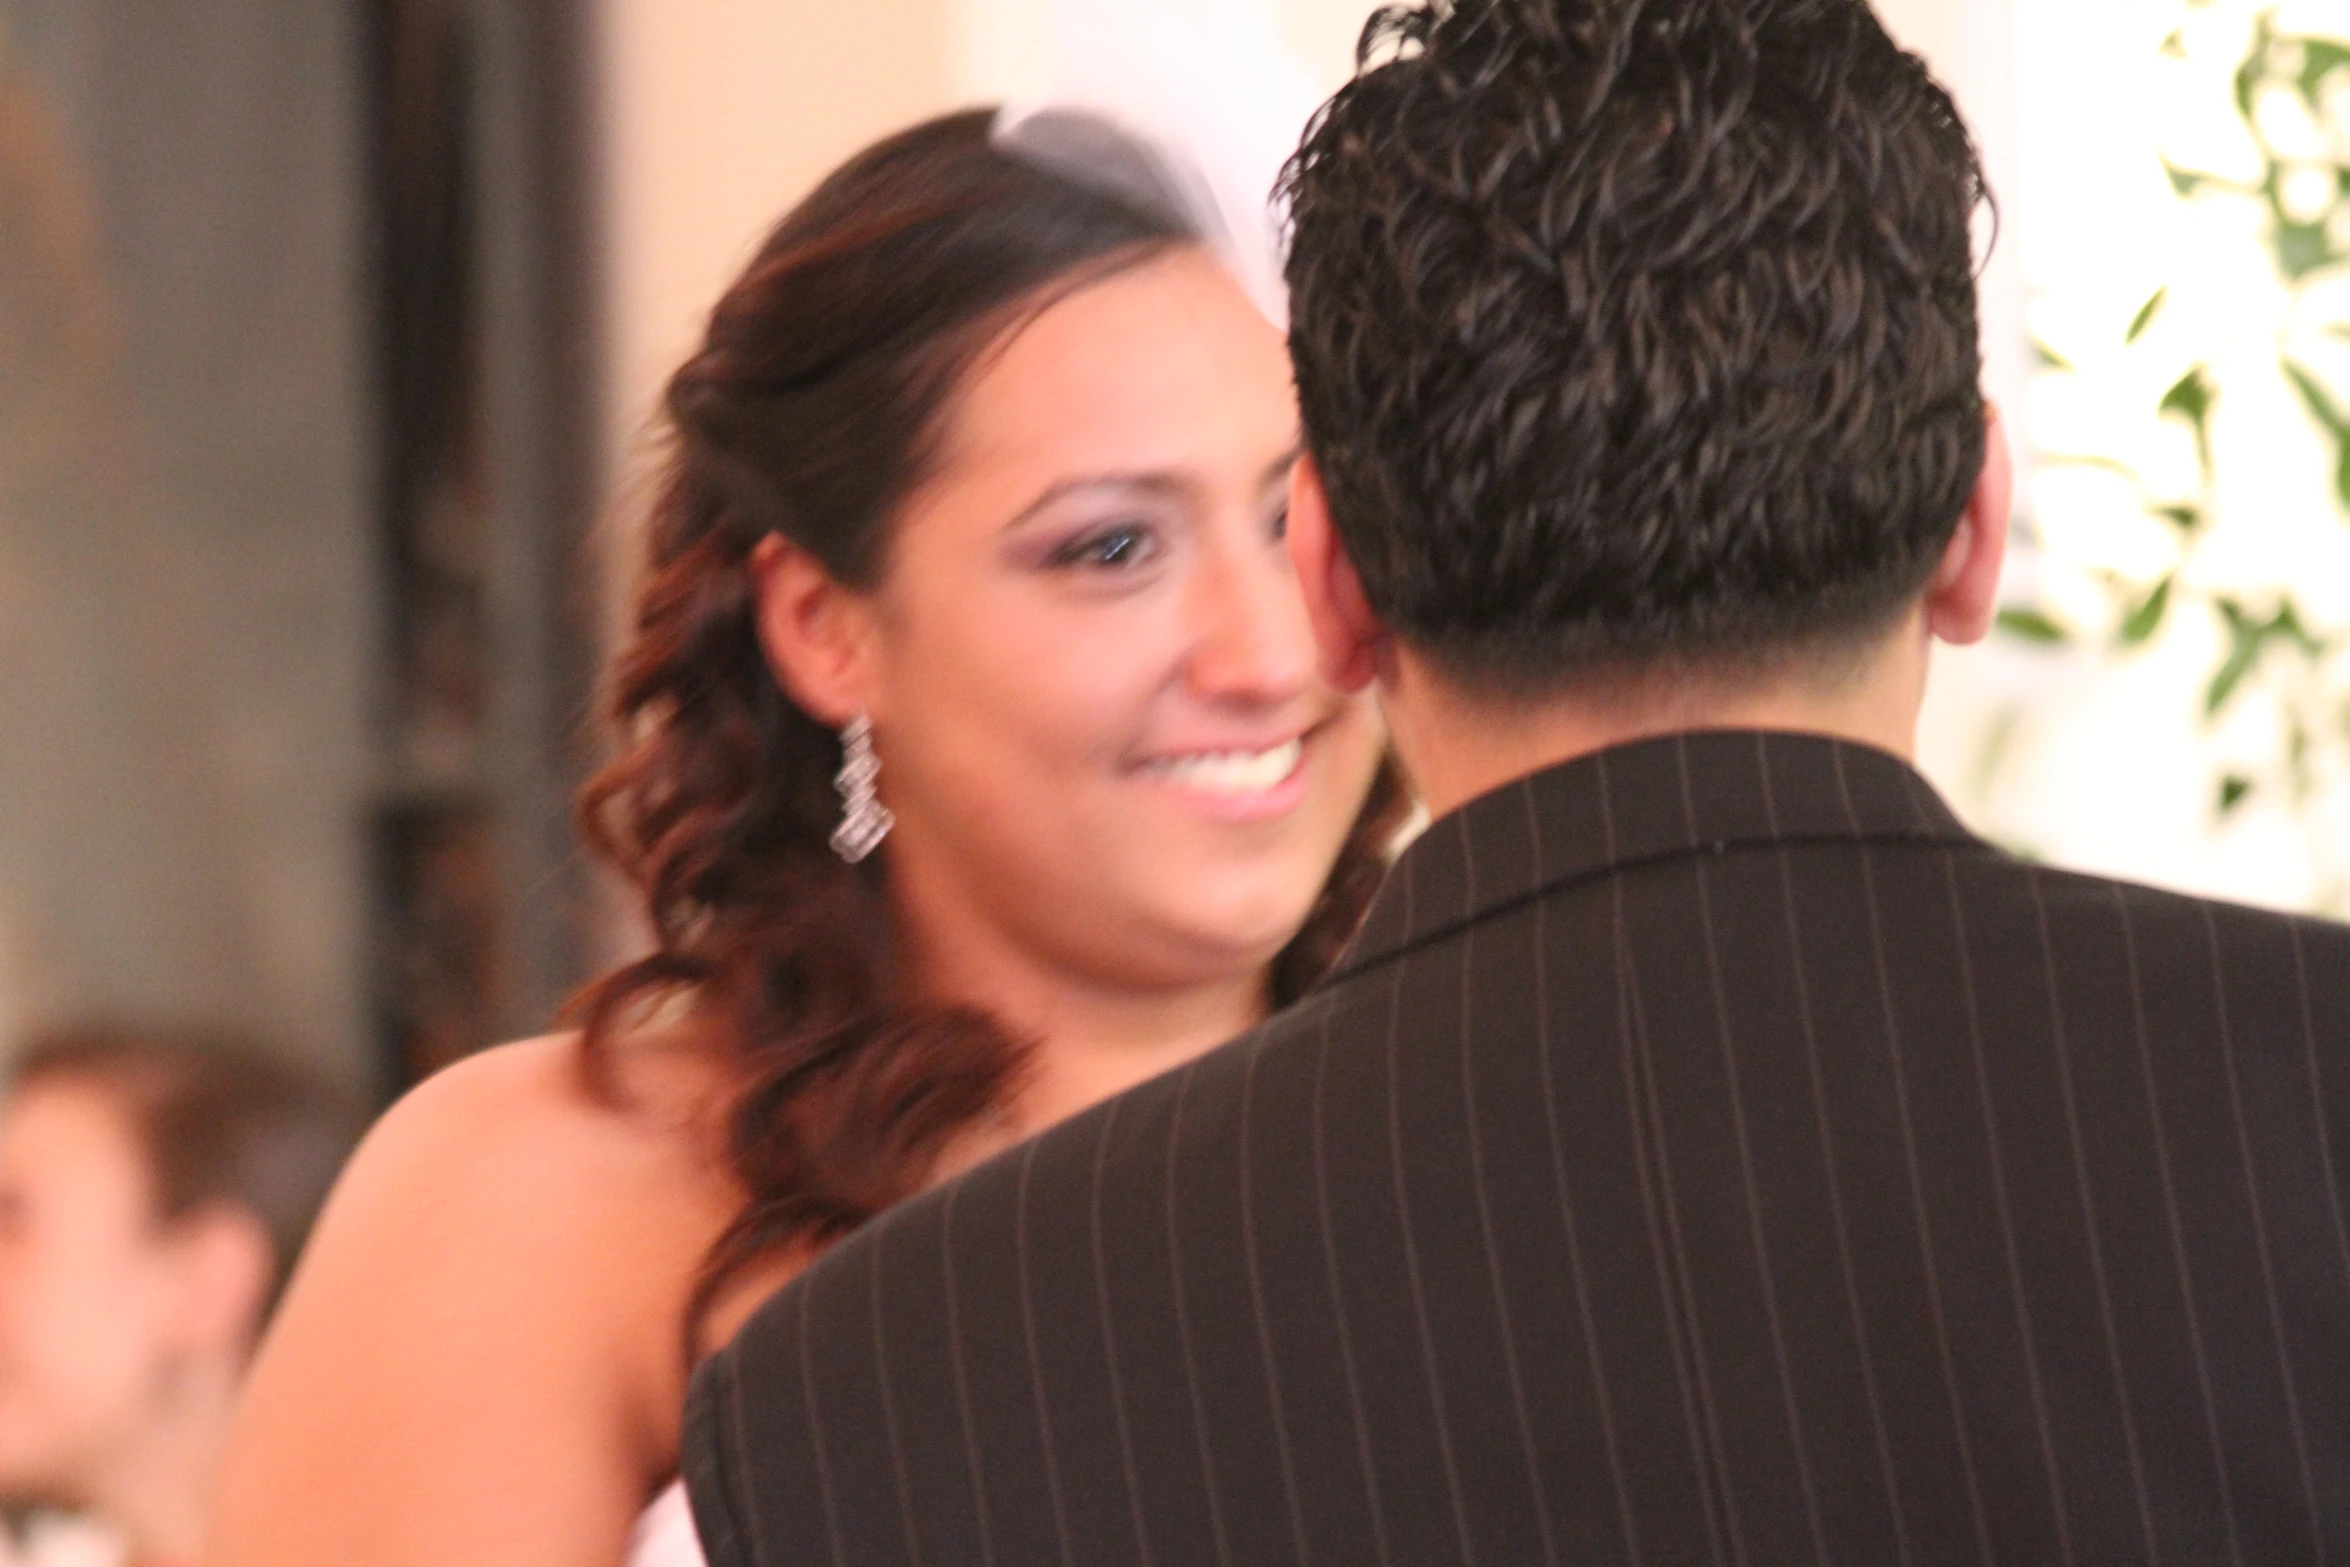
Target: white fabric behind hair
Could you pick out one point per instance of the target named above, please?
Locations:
(1211, 90)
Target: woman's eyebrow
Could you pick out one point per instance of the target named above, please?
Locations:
(1155, 483)
(1151, 484)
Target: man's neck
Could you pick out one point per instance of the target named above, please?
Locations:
(1457, 746)
(157, 1495)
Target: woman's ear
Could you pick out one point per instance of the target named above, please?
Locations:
(1347, 635)
(816, 633)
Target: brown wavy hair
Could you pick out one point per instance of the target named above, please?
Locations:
(812, 410)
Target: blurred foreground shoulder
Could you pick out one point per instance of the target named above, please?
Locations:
(480, 1356)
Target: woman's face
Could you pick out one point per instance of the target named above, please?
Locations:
(1092, 684)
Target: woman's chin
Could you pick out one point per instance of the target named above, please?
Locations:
(1238, 931)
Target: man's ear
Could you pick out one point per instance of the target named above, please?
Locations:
(1349, 637)
(1963, 598)
(222, 1264)
(816, 633)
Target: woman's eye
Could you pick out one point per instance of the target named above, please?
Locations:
(1110, 549)
(1281, 524)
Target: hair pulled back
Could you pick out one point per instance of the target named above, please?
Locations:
(812, 410)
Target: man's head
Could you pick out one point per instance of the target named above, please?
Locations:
(1638, 336)
(154, 1192)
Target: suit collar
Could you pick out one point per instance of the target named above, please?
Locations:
(1631, 804)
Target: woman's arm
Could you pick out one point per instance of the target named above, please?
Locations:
(478, 1361)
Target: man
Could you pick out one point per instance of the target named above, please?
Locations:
(154, 1192)
(1708, 1151)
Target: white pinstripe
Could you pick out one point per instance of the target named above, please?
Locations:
(2260, 1240)
(2080, 1158)
(2172, 1226)
(742, 1477)
(1917, 1189)
(1664, 1239)
(1744, 1141)
(1044, 1417)
(1117, 1378)
(1199, 1413)
(2317, 1100)
(816, 1439)
(1346, 1350)
(1827, 1136)
(2002, 1204)
(1476, 1131)
(1256, 1296)
(884, 1386)
(946, 1261)
(1558, 1166)
(1411, 1246)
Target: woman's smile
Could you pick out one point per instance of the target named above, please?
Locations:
(1246, 782)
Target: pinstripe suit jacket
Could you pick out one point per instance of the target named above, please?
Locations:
(1708, 1153)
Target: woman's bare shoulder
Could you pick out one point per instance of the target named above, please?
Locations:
(522, 1124)
(482, 1345)
(511, 1155)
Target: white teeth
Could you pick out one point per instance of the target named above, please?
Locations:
(1233, 772)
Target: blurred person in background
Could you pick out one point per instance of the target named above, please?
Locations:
(974, 767)
(155, 1190)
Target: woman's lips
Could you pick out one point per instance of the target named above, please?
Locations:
(1242, 785)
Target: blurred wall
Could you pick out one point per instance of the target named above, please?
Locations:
(718, 115)
(183, 534)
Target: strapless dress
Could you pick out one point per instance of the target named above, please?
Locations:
(665, 1535)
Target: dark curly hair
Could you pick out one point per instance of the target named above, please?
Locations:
(812, 410)
(1637, 332)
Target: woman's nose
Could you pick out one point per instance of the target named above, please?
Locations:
(1251, 639)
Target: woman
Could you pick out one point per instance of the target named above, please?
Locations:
(978, 480)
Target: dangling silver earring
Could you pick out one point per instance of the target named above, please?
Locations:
(864, 821)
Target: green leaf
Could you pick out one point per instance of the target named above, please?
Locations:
(2188, 183)
(2089, 460)
(2302, 248)
(2331, 418)
(2249, 639)
(2146, 618)
(2187, 519)
(2192, 395)
(2176, 44)
(2049, 359)
(2245, 638)
(2234, 790)
(2032, 625)
(2287, 625)
(2319, 60)
(2317, 400)
(2191, 399)
(2146, 314)
(2222, 689)
(2255, 64)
